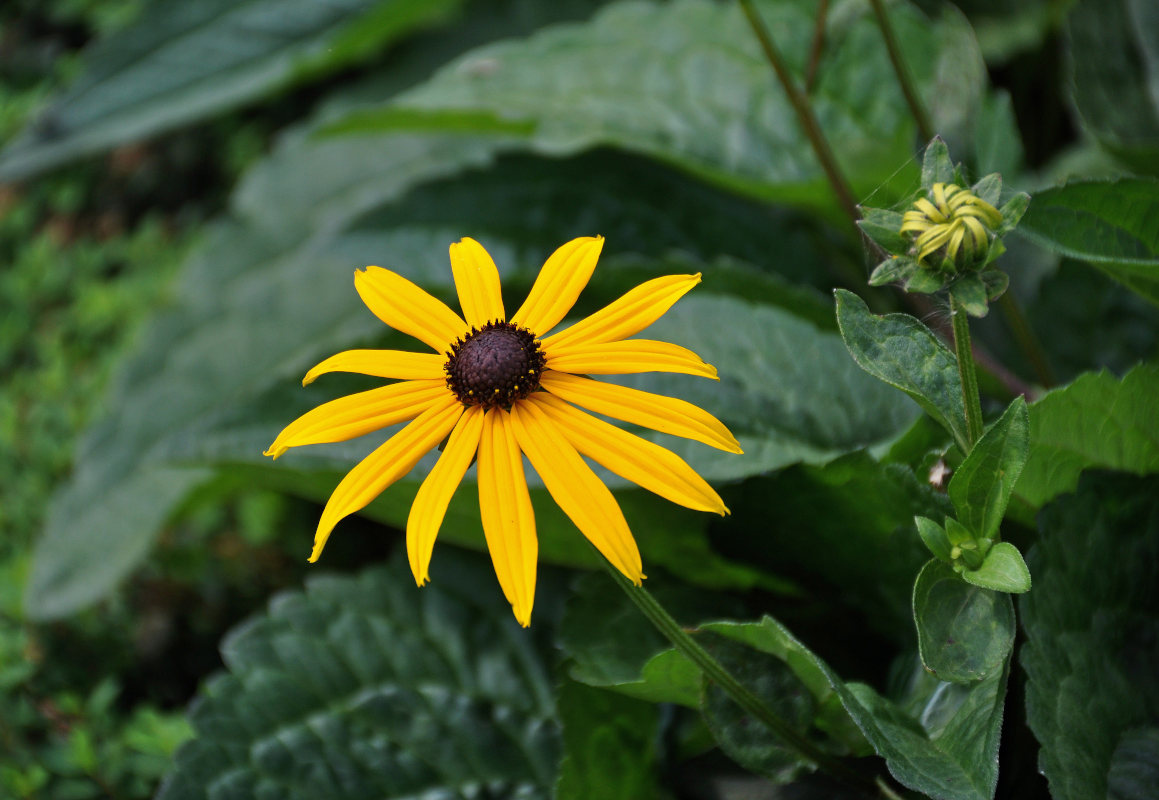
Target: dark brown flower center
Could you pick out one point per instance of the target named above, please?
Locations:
(495, 366)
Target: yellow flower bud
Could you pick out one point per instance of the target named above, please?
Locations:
(952, 228)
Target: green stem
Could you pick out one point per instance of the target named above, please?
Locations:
(715, 671)
(817, 46)
(970, 399)
(805, 116)
(925, 129)
(1026, 339)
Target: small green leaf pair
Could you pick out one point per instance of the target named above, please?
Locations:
(948, 237)
(980, 491)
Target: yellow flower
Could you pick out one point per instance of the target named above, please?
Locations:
(953, 220)
(500, 391)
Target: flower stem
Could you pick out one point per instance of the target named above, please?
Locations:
(925, 129)
(817, 45)
(805, 116)
(714, 671)
(970, 399)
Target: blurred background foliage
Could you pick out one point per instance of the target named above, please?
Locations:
(186, 188)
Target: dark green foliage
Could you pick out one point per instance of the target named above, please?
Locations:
(368, 687)
(403, 126)
(1092, 638)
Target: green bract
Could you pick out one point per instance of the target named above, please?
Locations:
(948, 236)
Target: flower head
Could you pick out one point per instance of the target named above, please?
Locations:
(952, 228)
(497, 388)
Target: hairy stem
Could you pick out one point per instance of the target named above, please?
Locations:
(970, 398)
(925, 129)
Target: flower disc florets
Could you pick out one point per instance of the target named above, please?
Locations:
(952, 228)
(494, 366)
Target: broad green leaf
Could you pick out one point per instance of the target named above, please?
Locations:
(369, 687)
(1134, 770)
(1091, 634)
(981, 487)
(1004, 570)
(94, 534)
(187, 61)
(944, 742)
(701, 94)
(1116, 89)
(901, 351)
(1112, 224)
(965, 632)
(1095, 422)
(609, 745)
(745, 739)
(257, 307)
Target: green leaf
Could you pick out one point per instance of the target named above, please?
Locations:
(943, 743)
(1003, 570)
(1116, 89)
(743, 738)
(970, 292)
(568, 81)
(1134, 770)
(612, 645)
(901, 351)
(1091, 634)
(400, 691)
(936, 164)
(883, 226)
(934, 537)
(896, 269)
(609, 745)
(965, 632)
(198, 389)
(186, 61)
(981, 487)
(1095, 422)
(1113, 225)
(88, 545)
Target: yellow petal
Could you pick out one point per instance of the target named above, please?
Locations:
(393, 459)
(630, 314)
(664, 414)
(929, 209)
(932, 239)
(477, 282)
(430, 504)
(505, 507)
(576, 489)
(956, 238)
(626, 356)
(405, 307)
(398, 364)
(359, 413)
(978, 232)
(635, 459)
(559, 284)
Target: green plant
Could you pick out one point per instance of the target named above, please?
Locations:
(853, 619)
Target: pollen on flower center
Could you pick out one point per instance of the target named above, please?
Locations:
(494, 366)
